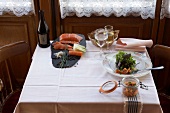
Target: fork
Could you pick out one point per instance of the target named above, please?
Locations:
(147, 69)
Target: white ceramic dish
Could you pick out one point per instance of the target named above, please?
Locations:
(110, 66)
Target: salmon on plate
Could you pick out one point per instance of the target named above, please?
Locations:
(69, 41)
(68, 46)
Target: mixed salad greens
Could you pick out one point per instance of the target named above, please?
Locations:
(125, 63)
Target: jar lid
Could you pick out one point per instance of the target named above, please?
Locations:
(108, 87)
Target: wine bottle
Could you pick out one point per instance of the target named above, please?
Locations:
(43, 31)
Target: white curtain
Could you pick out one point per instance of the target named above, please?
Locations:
(17, 7)
(143, 8)
(165, 12)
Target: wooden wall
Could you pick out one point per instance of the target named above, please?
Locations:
(162, 78)
(16, 29)
(134, 27)
(13, 29)
(49, 13)
(164, 32)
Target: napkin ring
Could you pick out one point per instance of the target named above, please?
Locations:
(101, 90)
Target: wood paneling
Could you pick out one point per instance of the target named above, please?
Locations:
(15, 29)
(156, 21)
(128, 26)
(163, 38)
(161, 77)
(164, 32)
(49, 10)
(58, 19)
(166, 37)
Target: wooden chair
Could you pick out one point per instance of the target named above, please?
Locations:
(9, 90)
(161, 54)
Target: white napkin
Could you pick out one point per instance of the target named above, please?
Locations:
(132, 44)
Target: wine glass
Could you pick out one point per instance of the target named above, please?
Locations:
(109, 30)
(101, 36)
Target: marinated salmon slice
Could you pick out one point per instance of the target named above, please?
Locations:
(76, 53)
(76, 36)
(69, 42)
(59, 45)
(70, 37)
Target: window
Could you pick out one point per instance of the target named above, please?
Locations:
(165, 12)
(143, 8)
(16, 7)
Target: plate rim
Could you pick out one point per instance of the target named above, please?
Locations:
(126, 75)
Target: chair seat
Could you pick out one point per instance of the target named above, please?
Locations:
(161, 55)
(11, 102)
(8, 79)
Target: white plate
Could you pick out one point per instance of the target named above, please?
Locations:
(110, 66)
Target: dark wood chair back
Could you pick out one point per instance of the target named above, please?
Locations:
(161, 51)
(161, 56)
(9, 92)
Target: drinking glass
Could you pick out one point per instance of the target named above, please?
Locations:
(101, 36)
(110, 31)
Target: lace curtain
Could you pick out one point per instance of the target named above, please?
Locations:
(165, 12)
(143, 8)
(17, 7)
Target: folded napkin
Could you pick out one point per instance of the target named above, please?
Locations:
(132, 44)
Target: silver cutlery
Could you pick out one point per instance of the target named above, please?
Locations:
(148, 69)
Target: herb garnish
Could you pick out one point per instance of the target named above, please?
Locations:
(124, 60)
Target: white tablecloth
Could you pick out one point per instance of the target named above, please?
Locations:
(75, 90)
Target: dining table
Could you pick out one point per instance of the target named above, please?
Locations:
(75, 89)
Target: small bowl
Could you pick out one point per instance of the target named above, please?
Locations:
(94, 42)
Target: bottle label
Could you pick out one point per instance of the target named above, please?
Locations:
(43, 39)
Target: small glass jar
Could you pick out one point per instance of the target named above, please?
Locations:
(130, 86)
